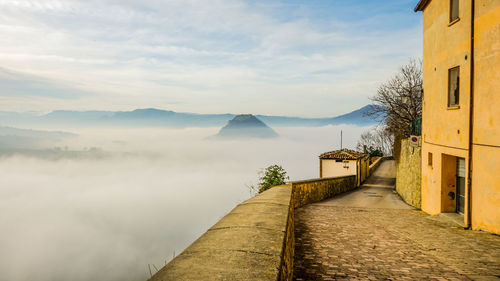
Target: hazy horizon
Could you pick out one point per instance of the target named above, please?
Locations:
(41, 113)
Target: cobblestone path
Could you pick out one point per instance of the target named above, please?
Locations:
(369, 235)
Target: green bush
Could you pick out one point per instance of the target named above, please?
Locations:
(272, 176)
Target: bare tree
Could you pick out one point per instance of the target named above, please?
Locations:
(378, 140)
(398, 102)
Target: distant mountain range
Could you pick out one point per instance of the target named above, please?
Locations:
(166, 118)
(246, 126)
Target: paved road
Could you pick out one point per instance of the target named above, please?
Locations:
(377, 192)
(371, 234)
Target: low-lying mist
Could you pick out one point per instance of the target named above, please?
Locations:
(108, 202)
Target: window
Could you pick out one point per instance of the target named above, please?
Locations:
(429, 159)
(453, 10)
(453, 86)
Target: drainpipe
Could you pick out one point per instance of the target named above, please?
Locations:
(471, 116)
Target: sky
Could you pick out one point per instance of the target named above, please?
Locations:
(313, 58)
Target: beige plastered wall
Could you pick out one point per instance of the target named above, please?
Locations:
(486, 136)
(445, 130)
(330, 168)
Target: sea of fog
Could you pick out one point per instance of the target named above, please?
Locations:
(133, 197)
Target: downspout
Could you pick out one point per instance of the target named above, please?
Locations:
(471, 117)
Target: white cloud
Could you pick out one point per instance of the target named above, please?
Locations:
(229, 53)
(154, 192)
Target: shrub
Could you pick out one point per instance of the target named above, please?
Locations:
(272, 176)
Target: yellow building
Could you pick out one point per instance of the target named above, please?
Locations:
(344, 162)
(461, 110)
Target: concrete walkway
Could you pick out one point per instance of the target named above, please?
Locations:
(371, 234)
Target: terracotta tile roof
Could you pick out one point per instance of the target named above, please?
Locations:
(345, 153)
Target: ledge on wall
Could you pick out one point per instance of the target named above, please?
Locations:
(246, 244)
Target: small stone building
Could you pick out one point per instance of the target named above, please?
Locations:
(344, 162)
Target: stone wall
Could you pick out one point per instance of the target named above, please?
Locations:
(288, 252)
(364, 169)
(408, 174)
(375, 164)
(246, 244)
(256, 240)
(310, 191)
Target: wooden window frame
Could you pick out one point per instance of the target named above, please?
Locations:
(451, 19)
(456, 104)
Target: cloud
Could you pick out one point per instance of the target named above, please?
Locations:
(149, 53)
(152, 192)
(13, 84)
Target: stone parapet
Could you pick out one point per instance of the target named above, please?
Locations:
(247, 244)
(256, 240)
(311, 191)
(376, 163)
